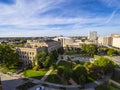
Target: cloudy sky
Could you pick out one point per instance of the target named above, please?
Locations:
(24, 18)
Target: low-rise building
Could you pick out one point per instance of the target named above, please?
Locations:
(32, 47)
(105, 40)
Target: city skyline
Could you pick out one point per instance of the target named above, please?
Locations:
(32, 18)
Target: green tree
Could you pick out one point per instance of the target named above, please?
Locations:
(64, 72)
(60, 70)
(107, 64)
(95, 71)
(45, 59)
(110, 52)
(61, 50)
(90, 49)
(80, 74)
(8, 57)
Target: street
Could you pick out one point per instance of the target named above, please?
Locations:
(10, 82)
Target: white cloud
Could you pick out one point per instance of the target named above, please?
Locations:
(24, 14)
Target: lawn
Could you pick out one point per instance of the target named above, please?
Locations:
(26, 86)
(65, 64)
(10, 69)
(107, 86)
(53, 78)
(117, 79)
(90, 79)
(35, 74)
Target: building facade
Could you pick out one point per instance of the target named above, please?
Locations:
(116, 42)
(105, 40)
(92, 36)
(32, 47)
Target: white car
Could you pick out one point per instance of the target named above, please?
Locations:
(40, 88)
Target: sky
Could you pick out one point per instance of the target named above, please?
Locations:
(34, 18)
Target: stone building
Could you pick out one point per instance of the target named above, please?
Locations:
(32, 47)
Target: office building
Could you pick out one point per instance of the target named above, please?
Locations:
(92, 36)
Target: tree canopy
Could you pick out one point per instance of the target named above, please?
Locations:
(90, 49)
(8, 56)
(45, 59)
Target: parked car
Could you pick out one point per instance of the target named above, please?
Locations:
(40, 88)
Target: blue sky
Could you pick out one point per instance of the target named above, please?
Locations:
(23, 18)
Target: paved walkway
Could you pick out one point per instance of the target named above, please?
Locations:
(10, 82)
(46, 75)
(97, 83)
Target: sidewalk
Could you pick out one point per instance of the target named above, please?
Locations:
(97, 83)
(46, 75)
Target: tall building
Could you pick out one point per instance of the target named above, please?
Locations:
(92, 36)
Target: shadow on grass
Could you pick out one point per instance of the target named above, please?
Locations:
(26, 86)
(52, 78)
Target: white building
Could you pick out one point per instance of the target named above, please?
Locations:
(92, 36)
(64, 40)
(105, 40)
(116, 42)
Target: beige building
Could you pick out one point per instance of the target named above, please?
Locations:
(65, 41)
(32, 47)
(105, 40)
(116, 42)
(70, 42)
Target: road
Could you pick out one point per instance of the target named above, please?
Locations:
(46, 88)
(10, 82)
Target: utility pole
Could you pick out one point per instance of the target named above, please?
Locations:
(0, 84)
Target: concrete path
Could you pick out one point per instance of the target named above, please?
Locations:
(46, 75)
(97, 83)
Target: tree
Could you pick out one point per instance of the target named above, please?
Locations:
(64, 72)
(80, 74)
(95, 71)
(61, 50)
(60, 70)
(45, 59)
(107, 64)
(91, 49)
(41, 58)
(8, 57)
(110, 52)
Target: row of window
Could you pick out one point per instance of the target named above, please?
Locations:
(25, 57)
(28, 53)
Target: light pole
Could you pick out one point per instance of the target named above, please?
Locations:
(0, 83)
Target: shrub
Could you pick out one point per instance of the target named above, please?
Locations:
(36, 68)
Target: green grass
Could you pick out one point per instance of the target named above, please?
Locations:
(107, 86)
(117, 79)
(53, 78)
(35, 74)
(90, 79)
(10, 69)
(97, 57)
(64, 63)
(26, 86)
